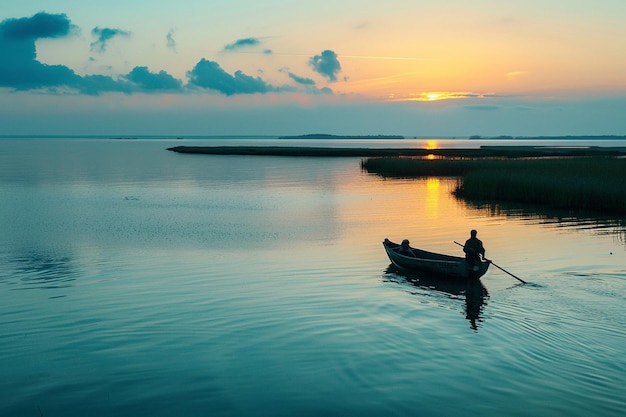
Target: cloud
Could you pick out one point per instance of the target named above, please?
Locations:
(41, 25)
(149, 81)
(326, 64)
(171, 42)
(300, 80)
(209, 74)
(308, 84)
(242, 43)
(96, 84)
(103, 36)
(20, 69)
(18, 65)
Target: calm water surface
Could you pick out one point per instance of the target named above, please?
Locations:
(136, 281)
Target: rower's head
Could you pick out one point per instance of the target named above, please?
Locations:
(473, 233)
(405, 243)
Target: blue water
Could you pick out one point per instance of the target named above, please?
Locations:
(137, 281)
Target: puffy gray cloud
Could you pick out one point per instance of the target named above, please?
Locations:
(326, 64)
(18, 65)
(96, 84)
(103, 36)
(149, 81)
(209, 74)
(41, 25)
(20, 69)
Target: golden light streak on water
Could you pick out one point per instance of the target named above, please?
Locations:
(433, 194)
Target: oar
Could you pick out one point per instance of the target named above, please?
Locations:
(500, 268)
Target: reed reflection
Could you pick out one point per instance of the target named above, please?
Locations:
(598, 224)
(472, 291)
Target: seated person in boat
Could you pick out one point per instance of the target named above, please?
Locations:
(404, 248)
(473, 249)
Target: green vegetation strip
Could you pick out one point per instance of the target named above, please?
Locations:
(571, 183)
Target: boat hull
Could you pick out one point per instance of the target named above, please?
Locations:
(434, 263)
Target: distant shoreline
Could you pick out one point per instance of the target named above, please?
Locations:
(327, 136)
(558, 137)
(320, 136)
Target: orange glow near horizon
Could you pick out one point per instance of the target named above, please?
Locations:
(432, 144)
(442, 95)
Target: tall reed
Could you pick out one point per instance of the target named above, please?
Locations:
(581, 183)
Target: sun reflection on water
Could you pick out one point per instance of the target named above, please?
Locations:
(433, 193)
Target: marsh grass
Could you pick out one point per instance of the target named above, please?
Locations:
(571, 183)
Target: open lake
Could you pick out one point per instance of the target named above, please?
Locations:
(137, 281)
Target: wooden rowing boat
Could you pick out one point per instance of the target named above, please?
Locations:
(434, 263)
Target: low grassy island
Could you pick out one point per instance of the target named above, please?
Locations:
(581, 183)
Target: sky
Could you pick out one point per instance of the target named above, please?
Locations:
(285, 67)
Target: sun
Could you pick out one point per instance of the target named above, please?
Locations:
(432, 144)
(433, 96)
(440, 95)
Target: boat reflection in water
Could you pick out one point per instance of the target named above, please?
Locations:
(472, 291)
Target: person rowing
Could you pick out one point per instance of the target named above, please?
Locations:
(473, 249)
